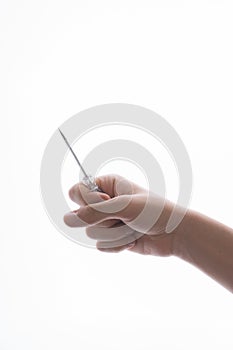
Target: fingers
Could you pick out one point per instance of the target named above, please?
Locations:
(116, 208)
(111, 185)
(142, 245)
(115, 239)
(116, 185)
(108, 223)
(104, 216)
(114, 233)
(81, 195)
(107, 183)
(118, 245)
(117, 249)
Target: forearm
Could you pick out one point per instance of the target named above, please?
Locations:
(208, 245)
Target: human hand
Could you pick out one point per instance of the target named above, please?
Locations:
(124, 216)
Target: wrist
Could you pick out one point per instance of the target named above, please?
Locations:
(180, 235)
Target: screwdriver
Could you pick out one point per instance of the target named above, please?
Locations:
(88, 180)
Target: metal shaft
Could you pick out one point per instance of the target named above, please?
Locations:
(76, 158)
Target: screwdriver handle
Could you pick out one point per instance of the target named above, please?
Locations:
(90, 183)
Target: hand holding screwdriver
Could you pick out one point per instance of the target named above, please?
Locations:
(114, 227)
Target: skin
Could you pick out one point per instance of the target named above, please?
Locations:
(109, 218)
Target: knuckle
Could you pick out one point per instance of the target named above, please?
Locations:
(86, 214)
(90, 233)
(74, 192)
(117, 177)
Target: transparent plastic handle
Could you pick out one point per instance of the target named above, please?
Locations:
(89, 182)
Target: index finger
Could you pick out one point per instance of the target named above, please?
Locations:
(81, 195)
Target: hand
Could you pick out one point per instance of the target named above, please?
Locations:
(124, 216)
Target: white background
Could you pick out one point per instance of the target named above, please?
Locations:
(58, 58)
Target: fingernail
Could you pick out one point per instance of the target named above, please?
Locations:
(104, 196)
